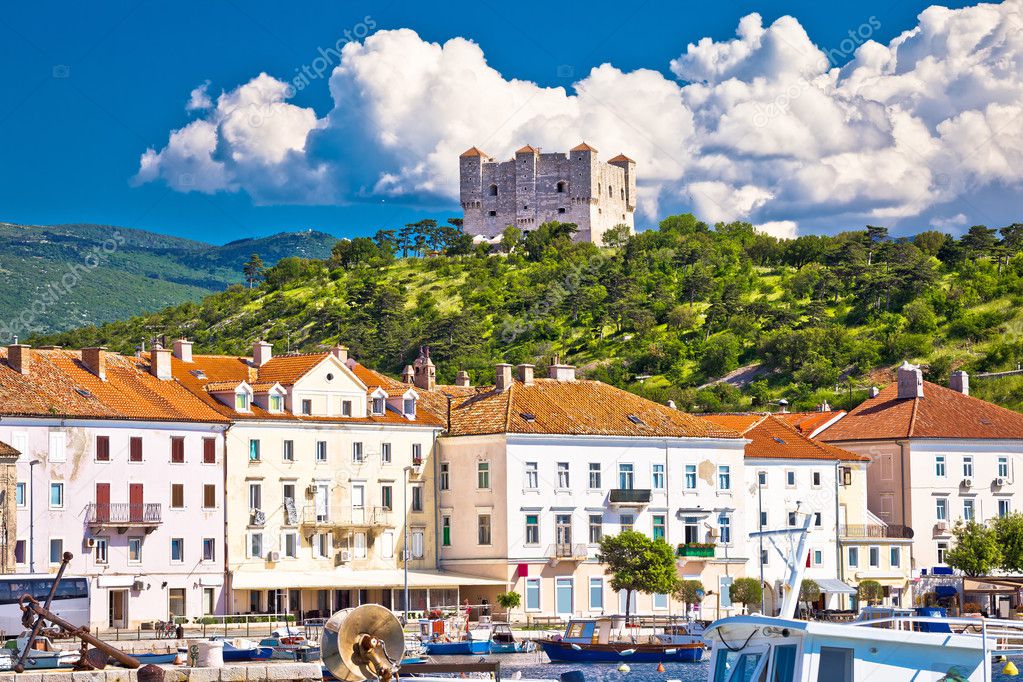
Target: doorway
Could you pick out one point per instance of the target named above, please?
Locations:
(118, 608)
(136, 502)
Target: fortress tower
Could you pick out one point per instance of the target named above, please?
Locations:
(534, 188)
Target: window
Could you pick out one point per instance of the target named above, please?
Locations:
(255, 544)
(346, 408)
(360, 546)
(532, 529)
(942, 549)
(596, 594)
(561, 187)
(563, 479)
(288, 452)
(532, 476)
(378, 406)
(445, 534)
(968, 514)
(659, 526)
(102, 448)
(20, 494)
(176, 601)
(874, 557)
(289, 544)
(627, 521)
(690, 477)
(815, 479)
(357, 454)
(417, 454)
(386, 545)
(417, 498)
(895, 557)
(817, 519)
(102, 551)
(790, 478)
(691, 527)
(209, 549)
(968, 466)
(276, 403)
(493, 213)
(56, 550)
(626, 477)
(854, 557)
(763, 519)
(134, 550)
(57, 452)
(241, 401)
(408, 407)
(482, 475)
(135, 449)
(177, 496)
(765, 556)
(56, 495)
(725, 528)
(594, 475)
(941, 509)
(724, 477)
(818, 557)
(209, 496)
(1003, 467)
(532, 594)
(178, 450)
(762, 478)
(657, 477)
(445, 476)
(493, 190)
(307, 406)
(596, 528)
(660, 601)
(483, 529)
(209, 450)
(255, 496)
(253, 449)
(387, 497)
(19, 549)
(321, 451)
(939, 466)
(177, 550)
(1004, 507)
(385, 453)
(792, 519)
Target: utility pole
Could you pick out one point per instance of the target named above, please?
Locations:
(404, 553)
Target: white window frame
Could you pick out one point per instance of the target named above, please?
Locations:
(483, 474)
(101, 553)
(790, 478)
(49, 550)
(445, 476)
(288, 450)
(531, 584)
(21, 493)
(969, 504)
(564, 473)
(691, 477)
(940, 468)
(212, 544)
(657, 478)
(895, 557)
(1007, 504)
(724, 476)
(63, 495)
(385, 453)
(288, 535)
(874, 556)
(941, 508)
(599, 584)
(57, 451)
(249, 538)
(595, 470)
(1003, 467)
(181, 542)
(133, 540)
(853, 557)
(968, 466)
(531, 476)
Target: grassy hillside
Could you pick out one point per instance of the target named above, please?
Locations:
(667, 313)
(59, 277)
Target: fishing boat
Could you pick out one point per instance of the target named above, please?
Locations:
(43, 655)
(291, 648)
(155, 659)
(590, 640)
(239, 650)
(453, 637)
(502, 641)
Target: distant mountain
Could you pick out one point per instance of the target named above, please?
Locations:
(59, 277)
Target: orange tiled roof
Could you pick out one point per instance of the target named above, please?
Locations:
(568, 408)
(527, 150)
(7, 450)
(941, 413)
(772, 437)
(59, 385)
(287, 369)
(473, 151)
(582, 147)
(217, 386)
(808, 422)
(621, 157)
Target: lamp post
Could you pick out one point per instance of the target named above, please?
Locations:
(404, 553)
(32, 515)
(760, 527)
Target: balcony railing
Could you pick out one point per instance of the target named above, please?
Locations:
(567, 550)
(124, 515)
(699, 549)
(875, 531)
(630, 496)
(347, 517)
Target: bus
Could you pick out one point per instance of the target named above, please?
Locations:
(70, 602)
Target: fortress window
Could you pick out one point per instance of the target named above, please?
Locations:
(610, 192)
(561, 210)
(561, 187)
(493, 190)
(493, 213)
(623, 193)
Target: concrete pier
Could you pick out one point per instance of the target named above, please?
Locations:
(282, 671)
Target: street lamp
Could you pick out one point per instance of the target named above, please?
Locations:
(404, 553)
(32, 515)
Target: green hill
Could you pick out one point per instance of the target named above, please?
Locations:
(667, 313)
(59, 277)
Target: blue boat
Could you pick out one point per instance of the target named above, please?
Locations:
(466, 647)
(588, 640)
(155, 659)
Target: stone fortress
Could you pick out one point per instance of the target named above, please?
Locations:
(534, 188)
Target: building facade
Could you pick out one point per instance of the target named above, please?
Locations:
(535, 187)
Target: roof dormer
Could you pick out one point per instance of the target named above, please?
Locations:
(235, 394)
(377, 402)
(404, 403)
(270, 396)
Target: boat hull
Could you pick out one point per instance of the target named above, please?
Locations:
(155, 659)
(565, 652)
(470, 648)
(260, 653)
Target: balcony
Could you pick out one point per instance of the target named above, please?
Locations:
(630, 497)
(566, 552)
(693, 550)
(347, 517)
(124, 515)
(876, 531)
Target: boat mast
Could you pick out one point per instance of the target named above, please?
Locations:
(796, 563)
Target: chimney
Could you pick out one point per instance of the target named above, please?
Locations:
(503, 376)
(340, 352)
(261, 353)
(824, 407)
(462, 378)
(560, 372)
(19, 357)
(873, 392)
(911, 381)
(183, 350)
(408, 375)
(526, 374)
(671, 404)
(783, 406)
(960, 382)
(95, 360)
(160, 362)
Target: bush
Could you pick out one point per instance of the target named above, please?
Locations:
(971, 607)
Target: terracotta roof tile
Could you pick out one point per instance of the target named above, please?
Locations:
(941, 413)
(621, 157)
(528, 150)
(583, 147)
(287, 369)
(569, 408)
(772, 437)
(7, 450)
(474, 151)
(807, 423)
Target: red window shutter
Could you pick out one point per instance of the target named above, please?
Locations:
(103, 448)
(178, 450)
(209, 450)
(135, 449)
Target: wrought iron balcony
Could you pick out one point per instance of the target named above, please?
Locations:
(876, 531)
(125, 515)
(630, 497)
(566, 551)
(347, 517)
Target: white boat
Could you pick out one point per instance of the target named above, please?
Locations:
(899, 648)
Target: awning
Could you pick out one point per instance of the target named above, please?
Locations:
(833, 586)
(943, 591)
(349, 579)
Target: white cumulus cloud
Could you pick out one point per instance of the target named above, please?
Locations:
(766, 127)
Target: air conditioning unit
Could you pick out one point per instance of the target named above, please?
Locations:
(940, 527)
(273, 556)
(90, 543)
(967, 482)
(311, 490)
(1000, 481)
(257, 517)
(346, 555)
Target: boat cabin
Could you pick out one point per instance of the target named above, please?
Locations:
(588, 631)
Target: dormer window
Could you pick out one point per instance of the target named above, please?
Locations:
(378, 406)
(241, 401)
(409, 407)
(276, 403)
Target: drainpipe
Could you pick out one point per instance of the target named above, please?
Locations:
(228, 587)
(838, 533)
(32, 514)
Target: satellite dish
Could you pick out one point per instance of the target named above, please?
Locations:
(364, 643)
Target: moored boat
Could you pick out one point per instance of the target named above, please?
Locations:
(291, 648)
(502, 641)
(589, 640)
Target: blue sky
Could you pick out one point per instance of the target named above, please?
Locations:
(89, 87)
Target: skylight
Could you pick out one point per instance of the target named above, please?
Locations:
(85, 393)
(635, 420)
(197, 373)
(779, 440)
(528, 416)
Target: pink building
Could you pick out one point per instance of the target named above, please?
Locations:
(122, 467)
